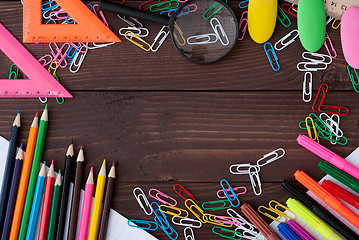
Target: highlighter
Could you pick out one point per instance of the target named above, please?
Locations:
(327, 198)
(287, 232)
(300, 231)
(262, 18)
(312, 220)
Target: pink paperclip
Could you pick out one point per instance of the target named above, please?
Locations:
(231, 195)
(60, 55)
(157, 197)
(101, 13)
(243, 24)
(291, 9)
(43, 59)
(231, 220)
(56, 15)
(327, 41)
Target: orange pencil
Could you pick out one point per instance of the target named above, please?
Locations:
(24, 179)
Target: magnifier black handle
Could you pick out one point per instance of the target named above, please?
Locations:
(131, 12)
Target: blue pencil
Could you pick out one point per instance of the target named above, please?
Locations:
(35, 209)
(13, 193)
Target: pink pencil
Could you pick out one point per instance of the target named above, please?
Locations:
(86, 207)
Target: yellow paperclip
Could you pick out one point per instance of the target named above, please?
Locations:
(174, 211)
(282, 211)
(181, 34)
(130, 36)
(210, 218)
(338, 25)
(315, 138)
(56, 66)
(272, 216)
(196, 207)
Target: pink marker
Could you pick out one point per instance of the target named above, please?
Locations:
(328, 156)
(86, 207)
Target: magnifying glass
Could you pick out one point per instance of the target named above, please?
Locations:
(203, 31)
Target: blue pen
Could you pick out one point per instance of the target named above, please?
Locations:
(287, 232)
(40, 184)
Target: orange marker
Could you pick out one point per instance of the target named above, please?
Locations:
(88, 27)
(327, 198)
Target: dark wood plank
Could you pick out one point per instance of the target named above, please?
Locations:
(124, 66)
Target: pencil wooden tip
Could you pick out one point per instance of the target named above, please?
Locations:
(51, 172)
(70, 150)
(45, 115)
(35, 122)
(112, 173)
(17, 121)
(20, 153)
(90, 178)
(42, 172)
(103, 169)
(81, 147)
(58, 181)
(80, 157)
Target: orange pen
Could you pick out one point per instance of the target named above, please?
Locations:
(327, 198)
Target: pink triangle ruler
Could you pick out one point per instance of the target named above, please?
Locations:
(40, 82)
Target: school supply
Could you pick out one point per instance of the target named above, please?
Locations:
(270, 52)
(9, 168)
(317, 62)
(25, 173)
(65, 192)
(86, 207)
(184, 193)
(243, 25)
(12, 194)
(40, 141)
(350, 36)
(299, 230)
(51, 231)
(287, 232)
(286, 40)
(40, 82)
(318, 210)
(328, 156)
(329, 46)
(341, 193)
(354, 79)
(262, 18)
(277, 212)
(201, 36)
(312, 220)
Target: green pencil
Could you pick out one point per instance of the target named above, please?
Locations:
(54, 208)
(40, 141)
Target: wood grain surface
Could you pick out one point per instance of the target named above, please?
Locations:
(166, 120)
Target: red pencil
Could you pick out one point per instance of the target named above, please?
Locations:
(50, 180)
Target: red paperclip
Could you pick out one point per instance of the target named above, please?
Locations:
(147, 2)
(290, 7)
(243, 23)
(341, 193)
(323, 89)
(340, 110)
(182, 189)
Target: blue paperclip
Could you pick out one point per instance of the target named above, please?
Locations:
(69, 21)
(233, 200)
(271, 49)
(243, 4)
(45, 9)
(161, 220)
(287, 232)
(48, 21)
(72, 56)
(143, 224)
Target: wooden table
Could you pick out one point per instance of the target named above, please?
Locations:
(166, 120)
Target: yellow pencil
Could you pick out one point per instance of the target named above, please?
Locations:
(97, 205)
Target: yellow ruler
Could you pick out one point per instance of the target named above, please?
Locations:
(334, 8)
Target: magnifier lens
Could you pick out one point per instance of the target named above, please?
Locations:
(204, 31)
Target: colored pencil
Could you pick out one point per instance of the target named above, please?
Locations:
(40, 184)
(86, 207)
(35, 166)
(25, 173)
(54, 208)
(46, 204)
(76, 196)
(65, 192)
(107, 203)
(97, 203)
(9, 168)
(12, 195)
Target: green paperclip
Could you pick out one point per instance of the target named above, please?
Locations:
(235, 234)
(285, 17)
(16, 74)
(321, 125)
(57, 99)
(224, 203)
(211, 8)
(355, 83)
(169, 6)
(321, 135)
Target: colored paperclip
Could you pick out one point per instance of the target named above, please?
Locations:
(223, 232)
(319, 124)
(290, 9)
(170, 4)
(186, 222)
(13, 74)
(143, 224)
(202, 39)
(144, 202)
(243, 4)
(219, 31)
(329, 46)
(212, 10)
(161, 197)
(43, 60)
(271, 157)
(174, 211)
(79, 58)
(220, 193)
(184, 190)
(195, 209)
(321, 94)
(232, 199)
(230, 220)
(243, 24)
(161, 220)
(271, 213)
(354, 79)
(211, 218)
(59, 54)
(188, 234)
(338, 24)
(159, 39)
(307, 87)
(283, 18)
(130, 36)
(255, 180)
(330, 109)
(148, 2)
(216, 205)
(286, 40)
(178, 29)
(271, 50)
(283, 210)
(140, 32)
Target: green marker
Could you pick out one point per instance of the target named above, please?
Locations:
(54, 208)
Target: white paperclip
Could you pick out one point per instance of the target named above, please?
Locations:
(255, 180)
(329, 19)
(159, 39)
(238, 169)
(330, 122)
(305, 66)
(141, 32)
(337, 123)
(307, 87)
(78, 59)
(313, 57)
(273, 156)
(219, 31)
(145, 200)
(202, 39)
(129, 23)
(102, 45)
(286, 38)
(234, 214)
(187, 222)
(188, 234)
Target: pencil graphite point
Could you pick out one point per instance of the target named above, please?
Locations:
(46, 106)
(37, 114)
